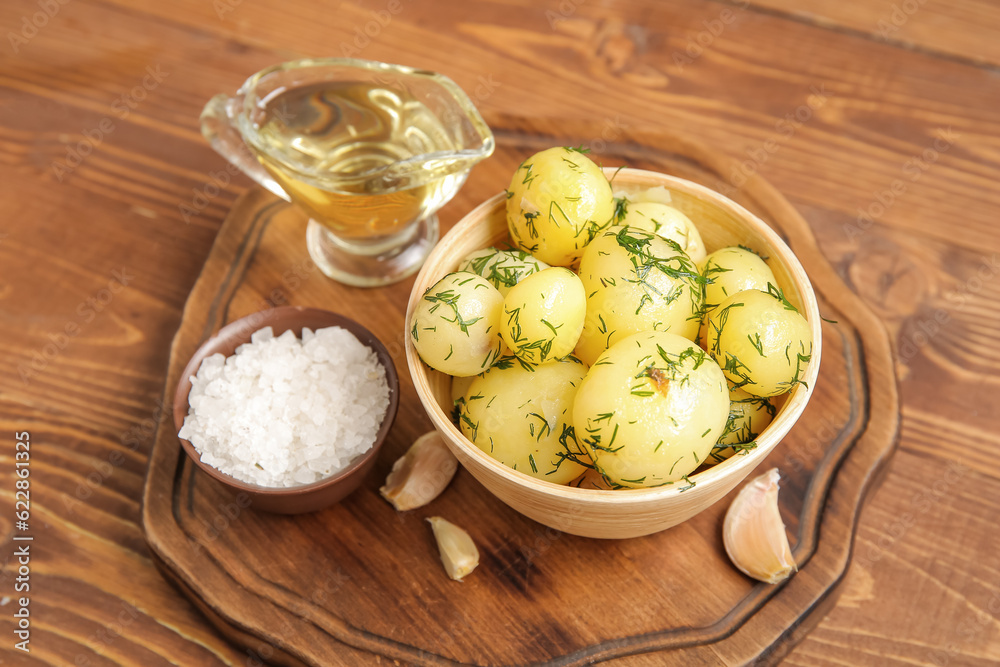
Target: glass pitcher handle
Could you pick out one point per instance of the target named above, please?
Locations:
(217, 126)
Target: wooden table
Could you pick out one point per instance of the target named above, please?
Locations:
(878, 120)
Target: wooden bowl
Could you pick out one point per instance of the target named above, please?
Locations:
(626, 512)
(307, 497)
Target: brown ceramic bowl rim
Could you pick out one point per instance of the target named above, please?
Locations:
(238, 332)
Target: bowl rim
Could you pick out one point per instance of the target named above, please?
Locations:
(739, 465)
(241, 330)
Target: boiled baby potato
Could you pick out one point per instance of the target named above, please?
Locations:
(521, 415)
(650, 409)
(668, 222)
(761, 341)
(543, 315)
(503, 268)
(728, 271)
(732, 270)
(459, 385)
(591, 479)
(456, 324)
(636, 281)
(748, 417)
(557, 202)
(657, 193)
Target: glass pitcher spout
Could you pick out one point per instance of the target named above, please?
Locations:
(218, 127)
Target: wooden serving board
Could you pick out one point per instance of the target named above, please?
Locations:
(360, 584)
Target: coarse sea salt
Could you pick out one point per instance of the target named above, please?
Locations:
(284, 412)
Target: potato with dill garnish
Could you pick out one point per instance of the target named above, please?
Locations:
(761, 341)
(630, 193)
(543, 315)
(636, 281)
(503, 268)
(557, 202)
(728, 271)
(521, 414)
(732, 270)
(748, 417)
(455, 326)
(459, 385)
(650, 409)
(665, 221)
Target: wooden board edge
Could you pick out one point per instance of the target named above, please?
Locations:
(161, 455)
(764, 194)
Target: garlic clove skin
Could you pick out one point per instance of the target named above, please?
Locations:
(420, 475)
(754, 534)
(458, 552)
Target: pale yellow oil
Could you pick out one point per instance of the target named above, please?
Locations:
(340, 151)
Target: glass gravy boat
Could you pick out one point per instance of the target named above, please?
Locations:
(370, 151)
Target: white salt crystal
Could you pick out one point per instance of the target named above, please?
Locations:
(282, 412)
(262, 335)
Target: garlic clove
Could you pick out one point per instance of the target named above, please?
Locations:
(754, 534)
(420, 475)
(458, 552)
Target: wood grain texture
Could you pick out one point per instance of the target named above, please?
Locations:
(927, 595)
(963, 29)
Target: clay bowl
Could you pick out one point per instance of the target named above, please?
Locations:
(308, 497)
(628, 512)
